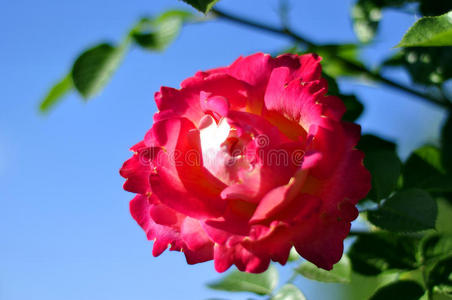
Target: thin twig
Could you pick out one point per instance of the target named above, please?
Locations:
(359, 233)
(442, 102)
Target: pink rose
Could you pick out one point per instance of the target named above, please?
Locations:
(246, 161)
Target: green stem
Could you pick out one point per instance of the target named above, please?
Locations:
(424, 278)
(359, 233)
(442, 102)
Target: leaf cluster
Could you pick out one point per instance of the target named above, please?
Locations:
(94, 67)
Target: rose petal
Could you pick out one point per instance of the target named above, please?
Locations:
(179, 175)
(245, 260)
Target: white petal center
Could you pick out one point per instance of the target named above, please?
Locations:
(213, 135)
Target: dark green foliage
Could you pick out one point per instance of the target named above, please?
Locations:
(374, 253)
(434, 7)
(423, 169)
(370, 142)
(404, 289)
(354, 108)
(333, 87)
(383, 163)
(384, 166)
(439, 275)
(446, 145)
(436, 255)
(435, 246)
(426, 65)
(406, 211)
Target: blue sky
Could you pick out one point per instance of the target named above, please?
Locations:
(65, 227)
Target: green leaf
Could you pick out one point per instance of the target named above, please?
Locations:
(202, 5)
(384, 166)
(94, 68)
(446, 145)
(443, 223)
(383, 163)
(406, 211)
(429, 31)
(423, 170)
(56, 93)
(354, 107)
(370, 142)
(436, 252)
(403, 289)
(366, 15)
(431, 156)
(289, 292)
(373, 253)
(436, 246)
(339, 274)
(156, 34)
(236, 281)
(439, 276)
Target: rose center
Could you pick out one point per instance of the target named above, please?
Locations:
(221, 150)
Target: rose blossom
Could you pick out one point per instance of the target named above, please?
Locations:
(246, 161)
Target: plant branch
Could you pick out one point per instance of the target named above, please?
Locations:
(358, 233)
(442, 102)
